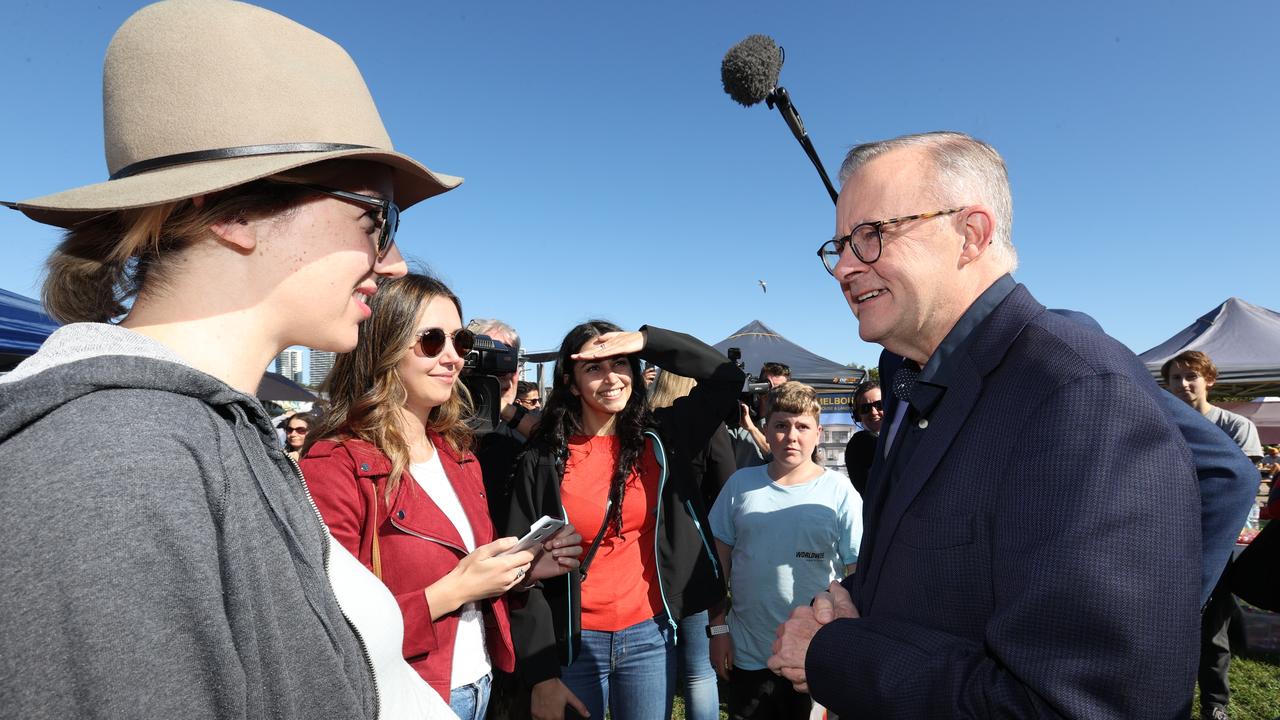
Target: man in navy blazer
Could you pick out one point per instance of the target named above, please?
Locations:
(1032, 542)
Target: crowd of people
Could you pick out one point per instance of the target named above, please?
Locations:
(1029, 525)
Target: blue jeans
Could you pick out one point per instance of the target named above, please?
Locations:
(632, 671)
(701, 697)
(471, 702)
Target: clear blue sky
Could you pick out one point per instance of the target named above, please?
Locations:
(609, 175)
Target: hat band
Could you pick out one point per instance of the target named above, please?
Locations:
(232, 152)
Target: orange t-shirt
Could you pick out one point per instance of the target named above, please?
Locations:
(622, 582)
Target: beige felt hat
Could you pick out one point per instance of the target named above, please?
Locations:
(204, 95)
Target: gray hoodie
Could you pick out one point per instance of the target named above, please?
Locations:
(161, 558)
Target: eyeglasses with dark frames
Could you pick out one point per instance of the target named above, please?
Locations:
(296, 430)
(388, 217)
(867, 239)
(431, 342)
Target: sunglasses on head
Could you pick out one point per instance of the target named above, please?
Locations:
(431, 342)
(865, 408)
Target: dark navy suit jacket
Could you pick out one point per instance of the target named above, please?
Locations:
(1228, 479)
(1039, 552)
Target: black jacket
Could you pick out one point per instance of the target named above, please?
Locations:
(714, 464)
(546, 622)
(1247, 577)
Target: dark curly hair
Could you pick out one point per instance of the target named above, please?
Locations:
(562, 415)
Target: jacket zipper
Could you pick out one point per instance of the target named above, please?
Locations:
(569, 594)
(698, 526)
(364, 650)
(657, 523)
(401, 528)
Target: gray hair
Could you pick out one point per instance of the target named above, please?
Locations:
(488, 326)
(968, 170)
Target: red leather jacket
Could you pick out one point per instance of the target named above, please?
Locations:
(417, 543)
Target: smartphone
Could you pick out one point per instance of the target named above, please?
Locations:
(538, 534)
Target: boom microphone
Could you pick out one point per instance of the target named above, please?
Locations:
(750, 69)
(750, 74)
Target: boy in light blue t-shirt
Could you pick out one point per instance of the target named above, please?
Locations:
(784, 531)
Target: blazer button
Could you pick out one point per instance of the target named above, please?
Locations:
(364, 467)
(924, 423)
(400, 514)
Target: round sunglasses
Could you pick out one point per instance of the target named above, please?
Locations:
(431, 342)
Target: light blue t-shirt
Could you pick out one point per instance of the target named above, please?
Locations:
(789, 543)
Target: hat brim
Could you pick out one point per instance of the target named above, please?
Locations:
(413, 182)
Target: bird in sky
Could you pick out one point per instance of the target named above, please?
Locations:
(764, 286)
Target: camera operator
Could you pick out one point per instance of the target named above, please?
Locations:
(497, 451)
(516, 422)
(750, 448)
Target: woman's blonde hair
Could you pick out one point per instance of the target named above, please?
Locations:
(102, 263)
(364, 389)
(668, 388)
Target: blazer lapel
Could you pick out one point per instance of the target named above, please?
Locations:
(991, 340)
(945, 423)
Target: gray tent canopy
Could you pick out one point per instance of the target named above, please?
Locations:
(760, 344)
(1242, 339)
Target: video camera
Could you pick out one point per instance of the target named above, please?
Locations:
(752, 388)
(480, 370)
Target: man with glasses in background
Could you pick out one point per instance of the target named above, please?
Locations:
(528, 395)
(867, 408)
(1032, 544)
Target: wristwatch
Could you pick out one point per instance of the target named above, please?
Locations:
(714, 630)
(517, 416)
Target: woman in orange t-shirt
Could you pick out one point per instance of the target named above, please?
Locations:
(622, 476)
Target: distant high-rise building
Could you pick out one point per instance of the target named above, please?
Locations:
(289, 364)
(321, 364)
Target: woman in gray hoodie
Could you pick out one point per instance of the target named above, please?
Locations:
(163, 557)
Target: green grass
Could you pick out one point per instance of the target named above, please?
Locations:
(677, 710)
(1255, 692)
(1255, 689)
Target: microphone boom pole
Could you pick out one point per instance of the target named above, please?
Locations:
(781, 99)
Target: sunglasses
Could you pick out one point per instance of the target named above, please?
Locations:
(865, 408)
(386, 217)
(296, 431)
(431, 342)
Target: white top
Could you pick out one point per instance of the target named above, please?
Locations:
(373, 612)
(470, 655)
